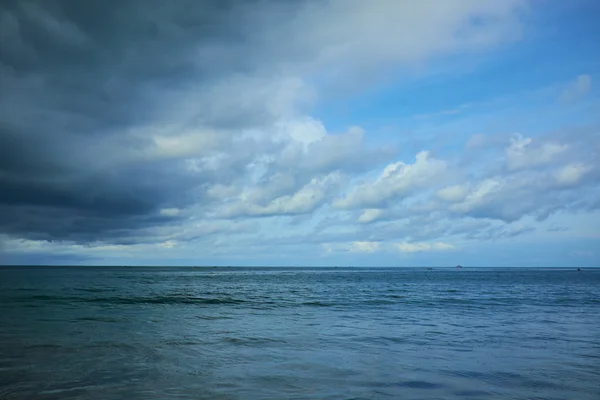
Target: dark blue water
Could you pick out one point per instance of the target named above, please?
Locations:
(158, 333)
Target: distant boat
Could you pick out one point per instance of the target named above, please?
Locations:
(459, 266)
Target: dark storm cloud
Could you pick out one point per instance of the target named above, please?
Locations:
(83, 210)
(75, 76)
(98, 62)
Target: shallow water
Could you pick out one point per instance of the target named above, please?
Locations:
(298, 333)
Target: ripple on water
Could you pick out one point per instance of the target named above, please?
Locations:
(404, 334)
(252, 341)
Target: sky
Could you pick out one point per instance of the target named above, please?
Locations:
(307, 132)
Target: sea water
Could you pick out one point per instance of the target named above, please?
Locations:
(299, 333)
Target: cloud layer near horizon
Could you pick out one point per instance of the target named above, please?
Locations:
(188, 128)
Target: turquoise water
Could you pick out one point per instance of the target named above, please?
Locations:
(298, 333)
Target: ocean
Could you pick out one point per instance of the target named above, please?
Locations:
(299, 333)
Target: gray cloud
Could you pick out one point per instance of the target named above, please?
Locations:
(113, 111)
(76, 79)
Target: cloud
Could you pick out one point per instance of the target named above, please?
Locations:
(444, 113)
(498, 232)
(189, 127)
(416, 247)
(56, 27)
(496, 197)
(364, 247)
(577, 89)
(170, 212)
(515, 178)
(558, 229)
(453, 193)
(370, 215)
(489, 205)
(361, 28)
(571, 174)
(396, 181)
(524, 152)
(262, 202)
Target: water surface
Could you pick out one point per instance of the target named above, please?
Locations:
(299, 333)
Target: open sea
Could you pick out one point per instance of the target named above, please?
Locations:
(299, 333)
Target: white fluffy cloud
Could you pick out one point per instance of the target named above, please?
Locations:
(415, 247)
(370, 215)
(571, 174)
(364, 247)
(395, 182)
(258, 202)
(384, 32)
(524, 152)
(170, 212)
(453, 193)
(488, 205)
(390, 247)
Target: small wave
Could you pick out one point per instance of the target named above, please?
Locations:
(181, 343)
(378, 302)
(43, 297)
(251, 341)
(99, 319)
(43, 346)
(415, 384)
(421, 385)
(396, 296)
(382, 340)
(317, 304)
(174, 299)
(94, 290)
(64, 391)
(105, 345)
(472, 393)
(166, 300)
(212, 317)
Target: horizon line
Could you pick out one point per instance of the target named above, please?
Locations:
(279, 266)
